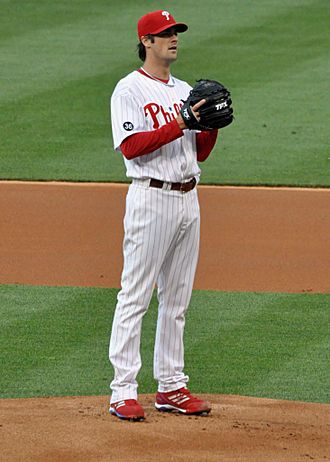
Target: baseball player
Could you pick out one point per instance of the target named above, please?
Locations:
(162, 219)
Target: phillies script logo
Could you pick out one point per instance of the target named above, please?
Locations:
(159, 115)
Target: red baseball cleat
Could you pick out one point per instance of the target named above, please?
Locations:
(128, 409)
(181, 401)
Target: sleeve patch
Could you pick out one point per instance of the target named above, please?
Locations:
(128, 126)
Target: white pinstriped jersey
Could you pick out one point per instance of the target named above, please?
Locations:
(139, 104)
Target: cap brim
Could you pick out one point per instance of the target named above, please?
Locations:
(180, 27)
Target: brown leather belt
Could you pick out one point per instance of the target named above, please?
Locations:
(183, 187)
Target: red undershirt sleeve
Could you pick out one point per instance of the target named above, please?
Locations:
(205, 143)
(143, 143)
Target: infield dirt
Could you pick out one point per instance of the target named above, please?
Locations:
(252, 239)
(238, 429)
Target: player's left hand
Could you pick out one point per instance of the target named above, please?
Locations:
(196, 107)
(195, 112)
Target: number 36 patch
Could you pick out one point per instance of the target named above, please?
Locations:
(128, 126)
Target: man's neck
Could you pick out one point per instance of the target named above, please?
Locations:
(159, 71)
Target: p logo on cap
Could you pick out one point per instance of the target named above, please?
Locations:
(167, 14)
(157, 21)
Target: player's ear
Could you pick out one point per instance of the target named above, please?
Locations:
(147, 40)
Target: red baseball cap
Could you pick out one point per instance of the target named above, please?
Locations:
(155, 22)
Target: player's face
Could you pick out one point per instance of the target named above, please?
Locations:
(165, 45)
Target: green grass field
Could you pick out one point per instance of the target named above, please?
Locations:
(54, 342)
(60, 61)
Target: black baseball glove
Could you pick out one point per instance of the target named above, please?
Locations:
(216, 112)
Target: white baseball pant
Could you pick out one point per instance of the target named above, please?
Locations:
(161, 245)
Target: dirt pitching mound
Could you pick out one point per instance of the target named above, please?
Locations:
(73, 429)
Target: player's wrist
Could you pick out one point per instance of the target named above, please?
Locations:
(180, 122)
